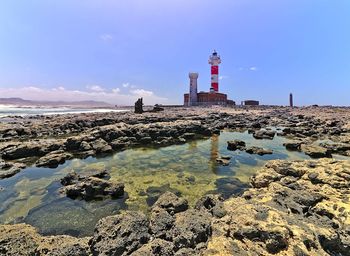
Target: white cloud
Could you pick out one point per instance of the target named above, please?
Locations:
(96, 93)
(95, 88)
(116, 90)
(253, 68)
(106, 37)
(223, 77)
(142, 93)
(125, 85)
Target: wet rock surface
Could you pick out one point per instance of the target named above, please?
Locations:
(89, 187)
(235, 144)
(258, 151)
(10, 169)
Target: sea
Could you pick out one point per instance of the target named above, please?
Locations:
(13, 110)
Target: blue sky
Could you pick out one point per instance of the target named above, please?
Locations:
(119, 50)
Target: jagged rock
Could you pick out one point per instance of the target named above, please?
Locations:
(157, 247)
(316, 151)
(121, 234)
(22, 151)
(53, 159)
(235, 144)
(73, 143)
(171, 203)
(264, 134)
(292, 209)
(90, 187)
(293, 145)
(213, 204)
(191, 227)
(258, 151)
(101, 146)
(84, 146)
(10, 169)
(160, 223)
(23, 239)
(339, 148)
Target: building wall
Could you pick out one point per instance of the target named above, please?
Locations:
(206, 98)
(251, 103)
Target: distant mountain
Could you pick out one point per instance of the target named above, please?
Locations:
(86, 103)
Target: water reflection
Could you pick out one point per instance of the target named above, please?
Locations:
(189, 170)
(214, 153)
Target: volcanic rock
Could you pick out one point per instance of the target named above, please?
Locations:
(316, 151)
(121, 234)
(258, 151)
(235, 144)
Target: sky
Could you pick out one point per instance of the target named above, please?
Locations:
(117, 51)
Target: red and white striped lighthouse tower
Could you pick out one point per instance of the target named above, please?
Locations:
(214, 61)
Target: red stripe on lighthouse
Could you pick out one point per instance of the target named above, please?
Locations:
(214, 70)
(215, 86)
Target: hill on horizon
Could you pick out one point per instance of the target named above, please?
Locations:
(23, 102)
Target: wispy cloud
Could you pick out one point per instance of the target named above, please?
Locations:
(98, 93)
(253, 68)
(223, 77)
(128, 85)
(106, 37)
(142, 93)
(95, 88)
(116, 90)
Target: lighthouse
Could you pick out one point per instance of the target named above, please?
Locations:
(205, 98)
(214, 61)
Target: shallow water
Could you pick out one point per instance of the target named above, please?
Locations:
(6, 110)
(189, 170)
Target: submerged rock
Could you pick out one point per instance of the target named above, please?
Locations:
(229, 186)
(90, 187)
(223, 161)
(264, 134)
(293, 145)
(258, 151)
(153, 193)
(235, 144)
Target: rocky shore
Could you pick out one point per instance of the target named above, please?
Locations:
(48, 141)
(291, 208)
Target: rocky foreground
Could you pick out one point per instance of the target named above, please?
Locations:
(293, 208)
